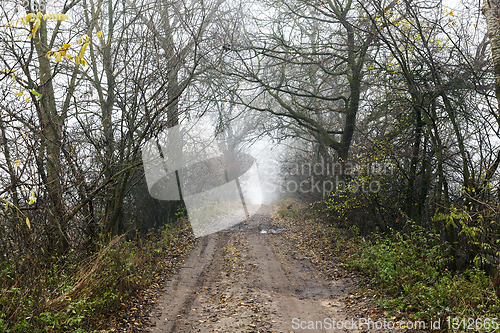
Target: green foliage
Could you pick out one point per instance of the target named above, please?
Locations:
(409, 267)
(477, 228)
(289, 209)
(181, 212)
(370, 211)
(288, 213)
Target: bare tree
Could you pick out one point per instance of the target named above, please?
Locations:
(306, 63)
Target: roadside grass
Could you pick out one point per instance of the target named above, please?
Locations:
(404, 271)
(289, 208)
(78, 292)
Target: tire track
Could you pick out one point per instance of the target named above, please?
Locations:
(183, 290)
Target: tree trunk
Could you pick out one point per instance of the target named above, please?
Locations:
(491, 11)
(52, 131)
(410, 192)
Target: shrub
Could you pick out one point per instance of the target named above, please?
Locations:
(73, 293)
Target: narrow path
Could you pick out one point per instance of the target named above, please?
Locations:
(249, 279)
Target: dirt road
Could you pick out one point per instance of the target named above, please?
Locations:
(250, 279)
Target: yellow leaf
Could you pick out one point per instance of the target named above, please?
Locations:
(28, 18)
(19, 94)
(83, 39)
(6, 206)
(64, 47)
(61, 17)
(58, 56)
(27, 100)
(36, 26)
(37, 18)
(32, 198)
(100, 34)
(82, 51)
(451, 13)
(17, 163)
(28, 222)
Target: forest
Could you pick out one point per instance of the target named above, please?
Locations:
(379, 120)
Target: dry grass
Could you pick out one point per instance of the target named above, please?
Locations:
(76, 292)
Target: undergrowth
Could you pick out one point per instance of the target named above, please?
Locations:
(73, 293)
(409, 267)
